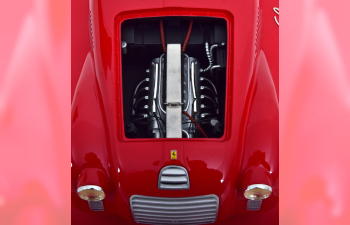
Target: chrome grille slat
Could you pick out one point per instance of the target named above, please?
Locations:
(175, 212)
(177, 217)
(174, 208)
(174, 187)
(174, 218)
(184, 223)
(136, 200)
(190, 210)
(173, 172)
(173, 178)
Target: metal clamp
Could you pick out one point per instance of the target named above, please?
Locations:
(173, 104)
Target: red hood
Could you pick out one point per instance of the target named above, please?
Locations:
(215, 166)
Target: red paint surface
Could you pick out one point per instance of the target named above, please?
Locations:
(215, 166)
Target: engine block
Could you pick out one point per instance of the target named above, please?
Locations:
(199, 107)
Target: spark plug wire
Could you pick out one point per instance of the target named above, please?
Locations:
(196, 124)
(162, 35)
(187, 36)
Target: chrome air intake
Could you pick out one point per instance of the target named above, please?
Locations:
(173, 178)
(190, 210)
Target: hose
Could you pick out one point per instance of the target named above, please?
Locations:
(209, 55)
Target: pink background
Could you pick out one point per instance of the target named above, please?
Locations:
(314, 112)
(35, 112)
(35, 98)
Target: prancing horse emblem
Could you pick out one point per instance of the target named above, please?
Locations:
(173, 154)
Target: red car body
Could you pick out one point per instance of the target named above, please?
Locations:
(220, 166)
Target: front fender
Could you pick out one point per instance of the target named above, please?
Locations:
(89, 134)
(260, 155)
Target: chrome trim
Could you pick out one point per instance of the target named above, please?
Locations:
(261, 186)
(89, 187)
(156, 83)
(195, 106)
(193, 89)
(173, 178)
(188, 81)
(160, 81)
(192, 79)
(154, 106)
(258, 187)
(155, 89)
(188, 210)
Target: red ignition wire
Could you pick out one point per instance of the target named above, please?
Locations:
(196, 124)
(162, 35)
(187, 36)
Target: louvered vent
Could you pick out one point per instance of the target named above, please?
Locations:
(173, 178)
(190, 210)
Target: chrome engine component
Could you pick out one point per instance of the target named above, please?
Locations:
(168, 95)
(173, 92)
(199, 98)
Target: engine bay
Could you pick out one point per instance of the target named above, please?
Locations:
(174, 77)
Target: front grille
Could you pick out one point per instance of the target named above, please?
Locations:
(190, 210)
(173, 178)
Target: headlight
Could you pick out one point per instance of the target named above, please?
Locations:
(91, 193)
(257, 191)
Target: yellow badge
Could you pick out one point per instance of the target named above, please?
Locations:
(173, 154)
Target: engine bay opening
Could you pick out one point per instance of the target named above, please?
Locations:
(174, 77)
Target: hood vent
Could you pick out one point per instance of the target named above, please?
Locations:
(173, 178)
